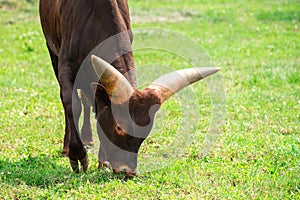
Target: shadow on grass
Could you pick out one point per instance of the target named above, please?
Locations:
(42, 171)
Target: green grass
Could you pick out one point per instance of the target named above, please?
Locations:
(257, 45)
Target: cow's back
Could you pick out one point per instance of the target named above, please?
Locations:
(72, 28)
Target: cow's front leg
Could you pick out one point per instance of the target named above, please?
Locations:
(102, 158)
(86, 130)
(65, 151)
(72, 107)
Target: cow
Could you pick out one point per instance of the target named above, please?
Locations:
(73, 29)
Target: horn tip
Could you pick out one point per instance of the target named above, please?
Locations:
(97, 61)
(214, 69)
(209, 71)
(93, 57)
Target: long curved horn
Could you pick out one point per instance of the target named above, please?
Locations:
(116, 85)
(169, 84)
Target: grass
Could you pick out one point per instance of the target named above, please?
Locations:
(257, 45)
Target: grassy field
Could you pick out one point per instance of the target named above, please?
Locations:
(257, 45)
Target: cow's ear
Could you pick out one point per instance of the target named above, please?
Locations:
(100, 94)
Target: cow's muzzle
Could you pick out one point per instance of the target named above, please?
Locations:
(121, 168)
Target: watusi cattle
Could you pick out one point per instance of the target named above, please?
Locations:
(72, 29)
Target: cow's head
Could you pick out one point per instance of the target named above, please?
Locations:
(125, 115)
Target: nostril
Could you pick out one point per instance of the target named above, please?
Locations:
(124, 170)
(104, 164)
(129, 175)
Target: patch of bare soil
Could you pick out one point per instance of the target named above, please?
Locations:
(162, 17)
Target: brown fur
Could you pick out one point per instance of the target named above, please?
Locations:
(72, 28)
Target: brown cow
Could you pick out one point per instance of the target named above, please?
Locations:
(73, 28)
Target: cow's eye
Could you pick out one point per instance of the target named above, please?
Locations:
(119, 128)
(120, 131)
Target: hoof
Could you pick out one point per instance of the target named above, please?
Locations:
(75, 164)
(84, 163)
